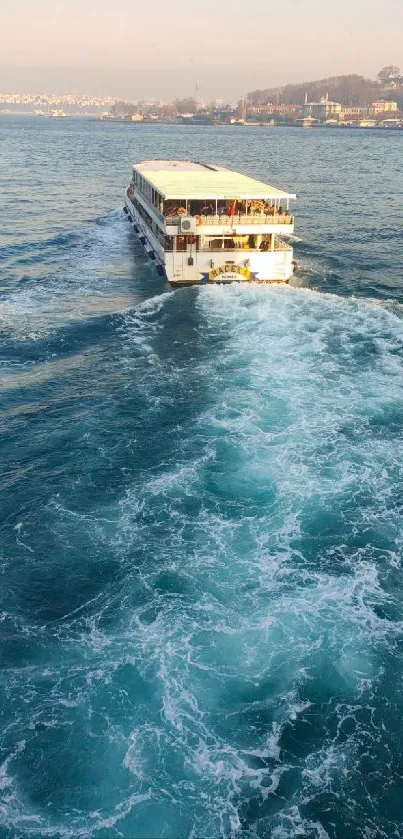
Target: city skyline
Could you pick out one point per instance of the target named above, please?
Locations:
(195, 93)
(162, 51)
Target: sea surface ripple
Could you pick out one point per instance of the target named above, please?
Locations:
(201, 608)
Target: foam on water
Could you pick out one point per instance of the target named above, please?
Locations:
(225, 679)
(39, 306)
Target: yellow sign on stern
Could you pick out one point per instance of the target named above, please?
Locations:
(230, 269)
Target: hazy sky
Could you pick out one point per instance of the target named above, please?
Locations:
(160, 48)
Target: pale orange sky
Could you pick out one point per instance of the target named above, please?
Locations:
(160, 49)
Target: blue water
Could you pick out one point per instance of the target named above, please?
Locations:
(201, 592)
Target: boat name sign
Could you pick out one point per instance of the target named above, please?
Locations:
(230, 270)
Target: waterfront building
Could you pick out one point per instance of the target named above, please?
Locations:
(323, 110)
(384, 106)
(353, 113)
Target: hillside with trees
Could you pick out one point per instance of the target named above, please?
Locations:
(348, 90)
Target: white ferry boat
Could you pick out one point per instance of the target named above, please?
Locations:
(55, 114)
(201, 223)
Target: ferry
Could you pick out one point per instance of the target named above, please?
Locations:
(201, 223)
(57, 114)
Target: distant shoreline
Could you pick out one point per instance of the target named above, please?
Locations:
(189, 124)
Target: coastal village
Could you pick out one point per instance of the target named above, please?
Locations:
(342, 101)
(381, 113)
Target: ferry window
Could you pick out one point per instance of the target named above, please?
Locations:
(215, 244)
(169, 243)
(196, 207)
(181, 243)
(170, 208)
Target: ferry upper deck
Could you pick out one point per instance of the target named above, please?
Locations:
(212, 194)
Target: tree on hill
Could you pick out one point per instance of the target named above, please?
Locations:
(122, 108)
(389, 75)
(186, 106)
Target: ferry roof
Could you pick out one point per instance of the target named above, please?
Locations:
(189, 179)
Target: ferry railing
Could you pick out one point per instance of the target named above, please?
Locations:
(230, 221)
(278, 247)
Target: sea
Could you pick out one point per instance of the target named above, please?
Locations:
(201, 600)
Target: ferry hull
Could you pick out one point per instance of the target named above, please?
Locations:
(222, 267)
(185, 284)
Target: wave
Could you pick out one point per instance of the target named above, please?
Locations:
(217, 612)
(83, 281)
